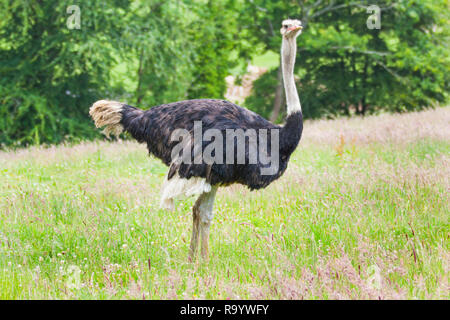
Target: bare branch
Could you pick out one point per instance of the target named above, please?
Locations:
(369, 52)
(305, 11)
(393, 73)
(272, 32)
(330, 7)
(258, 7)
(313, 6)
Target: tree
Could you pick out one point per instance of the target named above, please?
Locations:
(50, 72)
(215, 34)
(54, 66)
(344, 67)
(159, 54)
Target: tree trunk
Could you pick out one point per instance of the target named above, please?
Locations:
(364, 86)
(363, 106)
(139, 94)
(278, 96)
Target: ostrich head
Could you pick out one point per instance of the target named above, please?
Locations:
(291, 28)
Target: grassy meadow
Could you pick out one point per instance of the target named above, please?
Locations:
(361, 213)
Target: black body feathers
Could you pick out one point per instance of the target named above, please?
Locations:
(155, 127)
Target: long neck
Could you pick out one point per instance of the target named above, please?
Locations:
(288, 53)
(291, 132)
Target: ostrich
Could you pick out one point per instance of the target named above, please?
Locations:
(156, 126)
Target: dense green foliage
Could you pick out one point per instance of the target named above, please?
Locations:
(142, 52)
(344, 67)
(217, 41)
(50, 73)
(152, 52)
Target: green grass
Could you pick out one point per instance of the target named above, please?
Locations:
(267, 60)
(351, 218)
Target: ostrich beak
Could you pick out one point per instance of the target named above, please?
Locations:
(295, 28)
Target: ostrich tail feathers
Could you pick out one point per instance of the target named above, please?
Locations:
(117, 117)
(108, 114)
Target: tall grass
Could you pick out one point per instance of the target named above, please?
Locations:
(361, 213)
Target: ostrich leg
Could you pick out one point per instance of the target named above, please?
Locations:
(202, 215)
